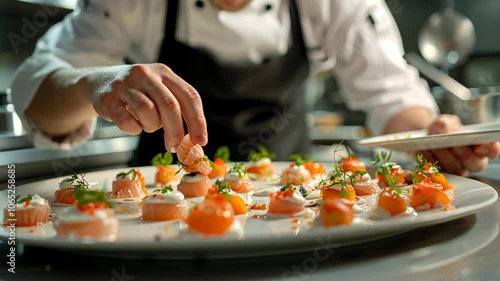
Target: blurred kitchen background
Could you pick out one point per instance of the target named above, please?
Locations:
(331, 121)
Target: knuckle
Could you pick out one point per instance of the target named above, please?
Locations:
(170, 103)
(143, 106)
(139, 70)
(191, 94)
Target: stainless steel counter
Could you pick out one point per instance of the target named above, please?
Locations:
(465, 249)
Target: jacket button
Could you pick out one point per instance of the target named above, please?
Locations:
(268, 7)
(200, 4)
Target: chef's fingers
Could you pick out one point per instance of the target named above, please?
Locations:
(449, 162)
(470, 160)
(143, 109)
(491, 150)
(191, 105)
(118, 113)
(149, 79)
(444, 124)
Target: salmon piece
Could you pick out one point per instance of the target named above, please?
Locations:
(315, 168)
(279, 202)
(214, 216)
(329, 191)
(65, 195)
(155, 211)
(194, 185)
(295, 176)
(391, 202)
(243, 185)
(94, 227)
(427, 192)
(337, 211)
(192, 157)
(263, 170)
(440, 178)
(165, 175)
(29, 215)
(366, 187)
(220, 170)
(128, 189)
(352, 164)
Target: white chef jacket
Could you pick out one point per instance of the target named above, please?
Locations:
(357, 39)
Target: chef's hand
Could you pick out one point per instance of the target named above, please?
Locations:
(459, 160)
(148, 97)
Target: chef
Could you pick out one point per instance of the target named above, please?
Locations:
(233, 69)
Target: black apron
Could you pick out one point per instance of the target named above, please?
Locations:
(244, 106)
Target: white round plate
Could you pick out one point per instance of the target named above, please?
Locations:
(420, 140)
(275, 235)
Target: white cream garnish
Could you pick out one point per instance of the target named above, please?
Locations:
(66, 183)
(262, 162)
(296, 198)
(35, 201)
(73, 214)
(266, 191)
(174, 197)
(379, 213)
(233, 176)
(194, 178)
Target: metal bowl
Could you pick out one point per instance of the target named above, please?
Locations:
(482, 107)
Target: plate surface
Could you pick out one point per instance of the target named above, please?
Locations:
(420, 140)
(141, 239)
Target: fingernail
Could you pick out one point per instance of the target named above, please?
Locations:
(483, 150)
(173, 149)
(201, 139)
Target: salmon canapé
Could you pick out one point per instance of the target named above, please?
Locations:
(164, 204)
(192, 157)
(194, 185)
(296, 175)
(89, 218)
(30, 210)
(288, 200)
(129, 184)
(238, 180)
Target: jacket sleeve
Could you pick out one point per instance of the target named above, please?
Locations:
(373, 75)
(96, 33)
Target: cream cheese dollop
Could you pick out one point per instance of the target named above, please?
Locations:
(73, 214)
(65, 183)
(194, 178)
(35, 201)
(296, 198)
(261, 162)
(174, 197)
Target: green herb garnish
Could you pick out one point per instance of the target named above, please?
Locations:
(223, 153)
(223, 188)
(124, 174)
(19, 200)
(297, 158)
(164, 189)
(240, 169)
(162, 159)
(255, 156)
(85, 196)
(78, 183)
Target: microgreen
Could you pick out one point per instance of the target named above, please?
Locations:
(164, 189)
(223, 153)
(132, 172)
(205, 158)
(297, 158)
(240, 169)
(223, 188)
(162, 159)
(85, 196)
(286, 186)
(19, 199)
(255, 156)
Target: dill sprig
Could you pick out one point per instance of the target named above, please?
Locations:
(78, 183)
(164, 189)
(132, 172)
(255, 156)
